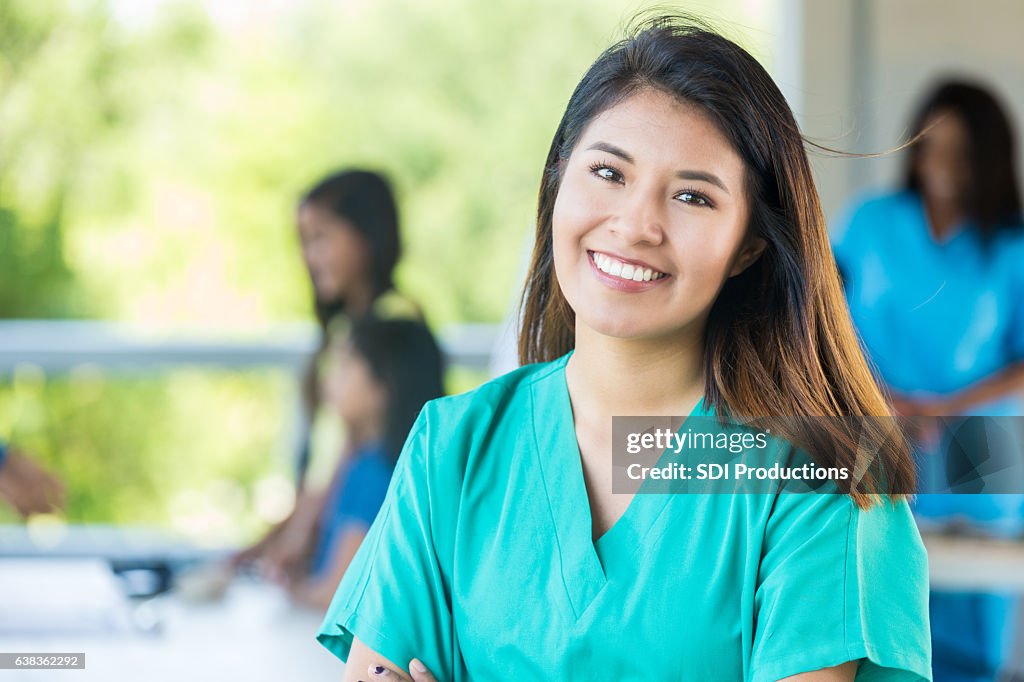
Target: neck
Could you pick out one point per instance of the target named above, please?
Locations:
(943, 216)
(359, 299)
(616, 376)
(361, 433)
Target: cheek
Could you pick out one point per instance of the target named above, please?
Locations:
(334, 389)
(577, 206)
(576, 212)
(344, 255)
(707, 256)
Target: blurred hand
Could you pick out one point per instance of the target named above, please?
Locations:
(908, 407)
(28, 487)
(284, 560)
(919, 418)
(247, 557)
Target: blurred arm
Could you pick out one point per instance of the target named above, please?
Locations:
(317, 592)
(28, 487)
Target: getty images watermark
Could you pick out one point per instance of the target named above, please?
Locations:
(707, 454)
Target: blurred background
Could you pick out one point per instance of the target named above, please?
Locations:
(156, 313)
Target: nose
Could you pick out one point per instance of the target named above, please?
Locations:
(641, 219)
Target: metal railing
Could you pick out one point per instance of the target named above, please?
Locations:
(57, 346)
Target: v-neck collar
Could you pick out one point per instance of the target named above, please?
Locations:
(557, 451)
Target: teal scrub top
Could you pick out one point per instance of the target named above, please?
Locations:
(481, 563)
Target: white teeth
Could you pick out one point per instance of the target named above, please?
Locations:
(629, 271)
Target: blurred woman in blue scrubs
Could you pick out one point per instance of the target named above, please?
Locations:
(934, 274)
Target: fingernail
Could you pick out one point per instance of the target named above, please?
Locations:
(417, 666)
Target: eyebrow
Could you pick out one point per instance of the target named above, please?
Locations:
(681, 174)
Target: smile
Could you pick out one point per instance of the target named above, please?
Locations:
(622, 270)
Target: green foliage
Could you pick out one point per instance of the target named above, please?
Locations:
(151, 154)
(183, 449)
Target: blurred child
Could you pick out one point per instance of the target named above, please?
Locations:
(379, 379)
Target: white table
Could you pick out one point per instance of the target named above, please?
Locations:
(252, 635)
(975, 564)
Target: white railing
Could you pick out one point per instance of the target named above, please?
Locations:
(57, 346)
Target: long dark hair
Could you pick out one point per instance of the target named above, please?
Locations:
(993, 197)
(404, 356)
(779, 341)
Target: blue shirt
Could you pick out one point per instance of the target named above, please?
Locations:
(354, 498)
(934, 317)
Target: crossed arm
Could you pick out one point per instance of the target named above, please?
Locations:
(366, 665)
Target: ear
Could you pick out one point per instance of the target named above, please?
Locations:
(750, 252)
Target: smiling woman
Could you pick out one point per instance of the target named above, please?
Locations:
(681, 267)
(664, 203)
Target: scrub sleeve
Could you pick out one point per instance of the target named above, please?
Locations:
(393, 595)
(829, 590)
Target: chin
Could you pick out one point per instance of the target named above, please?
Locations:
(620, 328)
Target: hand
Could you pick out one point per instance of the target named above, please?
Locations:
(919, 418)
(28, 487)
(915, 407)
(281, 553)
(285, 560)
(418, 671)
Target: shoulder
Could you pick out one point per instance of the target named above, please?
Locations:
(1009, 248)
(866, 208)
(393, 304)
(452, 428)
(476, 408)
(882, 533)
(371, 462)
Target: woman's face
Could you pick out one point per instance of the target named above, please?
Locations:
(942, 162)
(651, 182)
(336, 255)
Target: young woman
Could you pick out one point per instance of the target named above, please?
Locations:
(935, 279)
(348, 228)
(382, 376)
(682, 267)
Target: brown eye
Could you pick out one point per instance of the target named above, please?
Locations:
(606, 172)
(693, 197)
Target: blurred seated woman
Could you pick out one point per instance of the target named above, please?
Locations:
(377, 381)
(348, 228)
